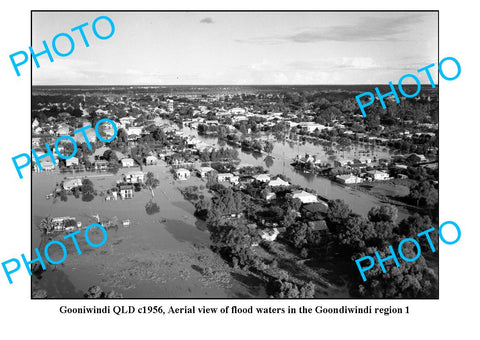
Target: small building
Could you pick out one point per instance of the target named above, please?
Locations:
(270, 196)
(134, 177)
(182, 174)
(378, 175)
(319, 207)
(59, 223)
(348, 179)
(319, 226)
(71, 161)
(224, 177)
(126, 191)
(127, 162)
(265, 178)
(70, 184)
(278, 182)
(269, 235)
(204, 170)
(101, 165)
(151, 160)
(342, 162)
(305, 197)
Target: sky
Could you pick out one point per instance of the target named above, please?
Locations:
(237, 48)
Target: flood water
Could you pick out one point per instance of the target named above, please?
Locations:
(158, 256)
(283, 154)
(162, 255)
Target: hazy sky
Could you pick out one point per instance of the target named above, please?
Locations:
(238, 48)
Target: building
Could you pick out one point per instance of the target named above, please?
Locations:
(305, 197)
(101, 165)
(270, 196)
(126, 191)
(134, 177)
(311, 126)
(278, 182)
(265, 178)
(71, 184)
(204, 170)
(319, 226)
(127, 162)
(60, 223)
(151, 160)
(342, 162)
(269, 235)
(170, 105)
(71, 161)
(134, 130)
(348, 179)
(224, 177)
(378, 175)
(182, 174)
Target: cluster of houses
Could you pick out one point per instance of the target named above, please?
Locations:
(65, 223)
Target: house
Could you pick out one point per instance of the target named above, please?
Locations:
(305, 197)
(151, 160)
(362, 160)
(182, 174)
(416, 158)
(134, 177)
(36, 142)
(265, 178)
(378, 175)
(71, 184)
(204, 170)
(270, 196)
(311, 126)
(101, 165)
(59, 223)
(319, 226)
(126, 191)
(269, 235)
(224, 177)
(342, 162)
(314, 208)
(127, 162)
(135, 130)
(71, 161)
(124, 121)
(235, 179)
(348, 179)
(278, 182)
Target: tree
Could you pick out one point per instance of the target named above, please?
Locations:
(46, 225)
(384, 213)
(424, 194)
(152, 208)
(95, 292)
(268, 147)
(268, 161)
(338, 213)
(110, 155)
(411, 280)
(233, 240)
(87, 190)
(151, 182)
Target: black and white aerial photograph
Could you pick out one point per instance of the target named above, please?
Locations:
(240, 164)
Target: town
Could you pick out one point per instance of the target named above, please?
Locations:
(275, 188)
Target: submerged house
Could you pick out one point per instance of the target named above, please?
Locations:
(305, 197)
(126, 191)
(182, 174)
(134, 177)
